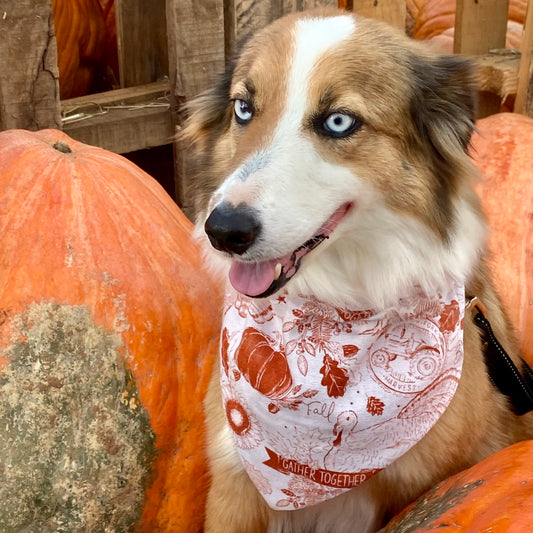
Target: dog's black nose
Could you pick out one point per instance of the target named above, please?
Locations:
(232, 229)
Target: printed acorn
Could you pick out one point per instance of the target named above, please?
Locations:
(266, 369)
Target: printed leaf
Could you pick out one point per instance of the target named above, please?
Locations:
(310, 348)
(449, 316)
(374, 406)
(303, 366)
(287, 326)
(311, 393)
(291, 346)
(335, 378)
(294, 405)
(224, 345)
(283, 503)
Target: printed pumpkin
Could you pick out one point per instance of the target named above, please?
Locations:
(108, 332)
(503, 152)
(495, 495)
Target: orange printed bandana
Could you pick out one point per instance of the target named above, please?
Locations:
(321, 398)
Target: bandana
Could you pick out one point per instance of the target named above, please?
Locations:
(320, 398)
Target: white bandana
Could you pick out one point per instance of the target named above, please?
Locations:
(321, 398)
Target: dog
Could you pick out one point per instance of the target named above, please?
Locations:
(334, 192)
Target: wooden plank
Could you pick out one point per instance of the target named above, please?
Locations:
(130, 95)
(196, 57)
(142, 41)
(480, 26)
(121, 121)
(302, 5)
(29, 89)
(141, 128)
(524, 93)
(242, 18)
(392, 12)
(497, 72)
(196, 45)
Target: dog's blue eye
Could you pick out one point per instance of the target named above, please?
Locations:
(243, 111)
(340, 124)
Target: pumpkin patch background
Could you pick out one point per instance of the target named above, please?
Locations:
(109, 319)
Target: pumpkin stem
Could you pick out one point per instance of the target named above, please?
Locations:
(62, 146)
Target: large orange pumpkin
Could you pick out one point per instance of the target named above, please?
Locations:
(496, 496)
(108, 330)
(435, 22)
(86, 46)
(503, 150)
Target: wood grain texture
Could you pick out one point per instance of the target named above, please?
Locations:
(29, 88)
(480, 26)
(524, 94)
(242, 18)
(497, 73)
(142, 41)
(245, 17)
(392, 12)
(123, 120)
(196, 57)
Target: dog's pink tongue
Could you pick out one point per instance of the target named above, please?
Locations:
(252, 279)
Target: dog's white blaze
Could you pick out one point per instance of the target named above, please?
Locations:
(312, 38)
(293, 163)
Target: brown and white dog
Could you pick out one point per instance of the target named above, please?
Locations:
(334, 164)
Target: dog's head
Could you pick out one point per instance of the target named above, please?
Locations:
(335, 159)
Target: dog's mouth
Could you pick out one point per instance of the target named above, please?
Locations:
(263, 278)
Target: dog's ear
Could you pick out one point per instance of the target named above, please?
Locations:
(209, 114)
(443, 103)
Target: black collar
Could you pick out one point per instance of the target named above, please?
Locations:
(515, 383)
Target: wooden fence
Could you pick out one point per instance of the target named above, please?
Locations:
(170, 50)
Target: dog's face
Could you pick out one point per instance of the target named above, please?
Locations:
(336, 160)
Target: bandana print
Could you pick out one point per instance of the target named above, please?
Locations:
(321, 398)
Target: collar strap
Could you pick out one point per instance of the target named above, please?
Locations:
(516, 384)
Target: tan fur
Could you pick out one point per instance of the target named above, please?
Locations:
(479, 421)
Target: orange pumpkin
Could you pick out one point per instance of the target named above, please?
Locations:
(502, 149)
(495, 495)
(108, 332)
(86, 45)
(435, 22)
(413, 7)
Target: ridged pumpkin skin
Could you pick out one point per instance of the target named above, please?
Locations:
(86, 44)
(495, 495)
(97, 262)
(502, 149)
(435, 22)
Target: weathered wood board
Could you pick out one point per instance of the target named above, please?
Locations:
(142, 41)
(524, 94)
(29, 89)
(123, 120)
